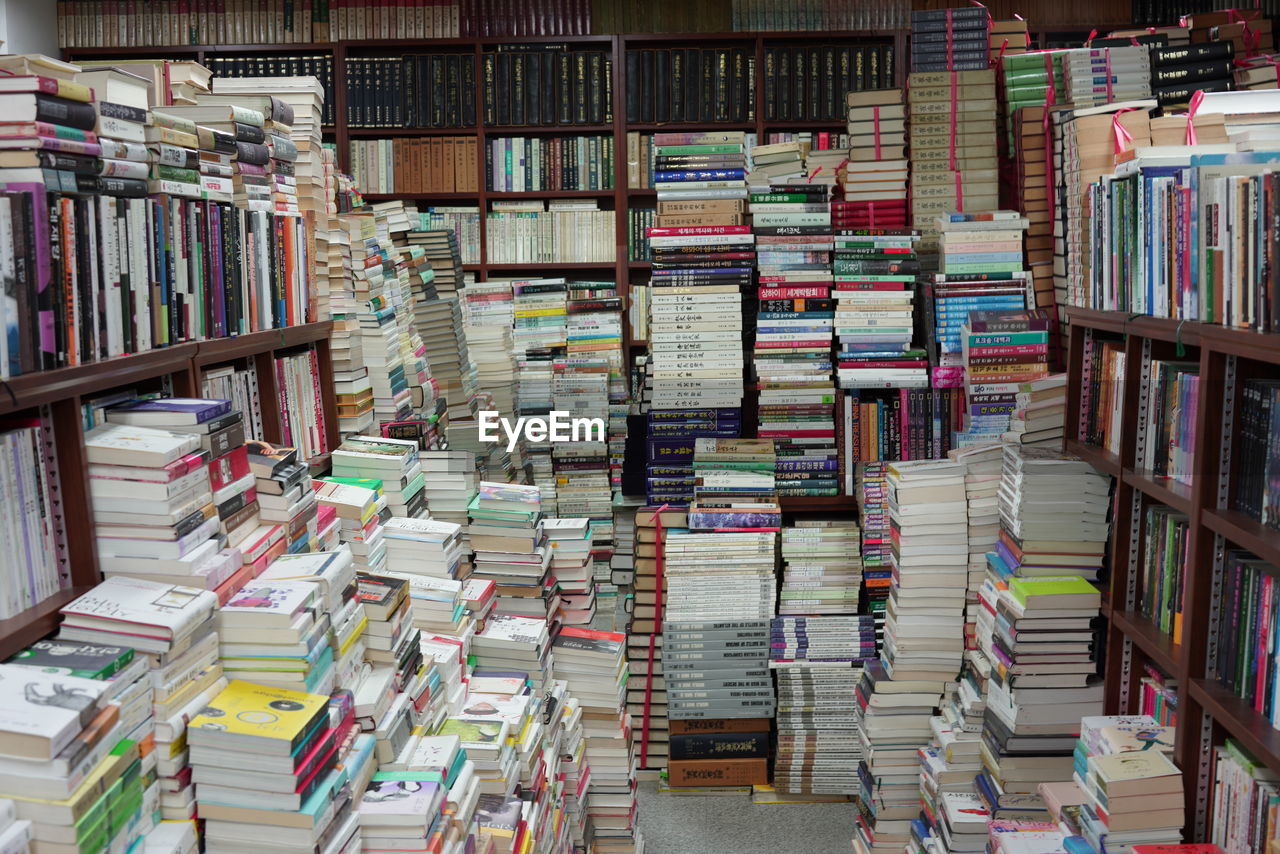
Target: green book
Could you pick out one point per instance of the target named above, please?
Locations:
(71, 658)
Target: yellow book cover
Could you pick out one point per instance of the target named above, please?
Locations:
(258, 717)
(1058, 585)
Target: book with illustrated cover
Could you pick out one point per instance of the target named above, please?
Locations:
(127, 605)
(167, 411)
(131, 445)
(575, 639)
(266, 603)
(483, 737)
(400, 802)
(86, 660)
(41, 713)
(261, 718)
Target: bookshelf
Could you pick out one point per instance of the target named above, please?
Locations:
(60, 392)
(1207, 711)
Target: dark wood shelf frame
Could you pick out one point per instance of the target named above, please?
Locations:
(64, 389)
(1207, 711)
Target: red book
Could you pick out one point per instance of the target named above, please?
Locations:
(228, 468)
(697, 229)
(795, 292)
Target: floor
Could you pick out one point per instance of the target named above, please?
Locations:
(731, 824)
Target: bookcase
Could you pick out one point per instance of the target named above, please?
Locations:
(1207, 711)
(178, 369)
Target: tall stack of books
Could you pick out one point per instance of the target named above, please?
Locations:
(646, 687)
(1001, 351)
(871, 488)
(822, 568)
(949, 39)
(450, 482)
(423, 547)
(510, 550)
(278, 640)
(569, 542)
(728, 497)
(1040, 413)
(699, 273)
(873, 183)
(925, 617)
(792, 354)
(701, 567)
(391, 462)
(285, 493)
(379, 304)
(540, 330)
(893, 725)
(172, 629)
(580, 387)
(514, 643)
(953, 132)
(982, 467)
(593, 664)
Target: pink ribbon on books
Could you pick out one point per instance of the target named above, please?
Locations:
(814, 175)
(1004, 44)
(1133, 40)
(1192, 109)
(653, 636)
(1122, 135)
(1092, 35)
(871, 213)
(875, 124)
(1247, 35)
(1106, 53)
(959, 192)
(950, 53)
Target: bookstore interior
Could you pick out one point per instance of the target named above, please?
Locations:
(472, 427)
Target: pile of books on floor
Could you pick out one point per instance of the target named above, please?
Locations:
(569, 542)
(982, 468)
(1133, 792)
(510, 547)
(871, 488)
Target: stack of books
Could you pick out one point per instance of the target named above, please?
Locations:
(792, 354)
(384, 600)
(893, 724)
(581, 465)
(646, 686)
(1041, 538)
(403, 809)
(699, 273)
(953, 133)
(268, 762)
(360, 513)
(728, 497)
(423, 547)
(949, 39)
(593, 664)
(450, 482)
(392, 463)
(982, 468)
(1008, 38)
(1106, 75)
(873, 183)
(871, 488)
(949, 300)
(924, 623)
(378, 302)
(286, 496)
(569, 542)
(539, 339)
(669, 450)
(822, 568)
(875, 270)
(510, 549)
(1031, 80)
(1001, 350)
(170, 532)
(278, 639)
(333, 574)
(1041, 408)
(513, 643)
(1134, 791)
(172, 629)
(701, 567)
(774, 163)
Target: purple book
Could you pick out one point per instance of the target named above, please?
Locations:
(167, 411)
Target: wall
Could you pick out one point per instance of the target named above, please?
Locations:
(29, 26)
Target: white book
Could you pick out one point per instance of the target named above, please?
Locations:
(266, 603)
(137, 606)
(41, 713)
(127, 445)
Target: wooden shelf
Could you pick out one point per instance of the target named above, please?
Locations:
(1165, 490)
(557, 130)
(1155, 644)
(1254, 732)
(1245, 532)
(1242, 343)
(362, 132)
(17, 633)
(701, 127)
(451, 197)
(552, 265)
(1156, 328)
(1103, 460)
(226, 349)
(37, 389)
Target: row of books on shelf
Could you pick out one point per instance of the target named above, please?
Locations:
(435, 164)
(811, 82)
(97, 23)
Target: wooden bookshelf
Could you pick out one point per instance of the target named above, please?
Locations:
(179, 368)
(1207, 712)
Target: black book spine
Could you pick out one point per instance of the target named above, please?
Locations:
(813, 84)
(533, 88)
(647, 100)
(489, 78)
(677, 87)
(453, 78)
(770, 83)
(61, 111)
(799, 76)
(517, 92)
(738, 87)
(564, 88)
(595, 87)
(783, 85)
(581, 96)
(720, 76)
(692, 85)
(548, 89)
(830, 84)
(468, 97)
(662, 86)
(502, 89)
(607, 78)
(873, 68)
(633, 74)
(888, 71)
